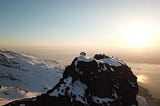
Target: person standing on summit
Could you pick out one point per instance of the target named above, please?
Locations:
(83, 54)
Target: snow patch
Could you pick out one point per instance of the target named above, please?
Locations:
(111, 61)
(133, 84)
(78, 89)
(22, 105)
(99, 100)
(84, 59)
(142, 101)
(62, 88)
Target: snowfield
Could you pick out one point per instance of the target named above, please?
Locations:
(23, 76)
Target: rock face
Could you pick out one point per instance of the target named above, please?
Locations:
(98, 81)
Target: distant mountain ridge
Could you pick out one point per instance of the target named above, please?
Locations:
(25, 72)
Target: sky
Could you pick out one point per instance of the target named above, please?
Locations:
(116, 24)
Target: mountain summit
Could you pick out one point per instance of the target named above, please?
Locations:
(98, 81)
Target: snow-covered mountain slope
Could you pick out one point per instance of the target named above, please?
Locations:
(98, 81)
(25, 72)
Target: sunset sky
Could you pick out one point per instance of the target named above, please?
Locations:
(126, 24)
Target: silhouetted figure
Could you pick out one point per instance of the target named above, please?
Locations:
(83, 54)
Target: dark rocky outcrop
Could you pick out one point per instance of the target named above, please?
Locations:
(98, 81)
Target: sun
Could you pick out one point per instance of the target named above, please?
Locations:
(138, 35)
(138, 39)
